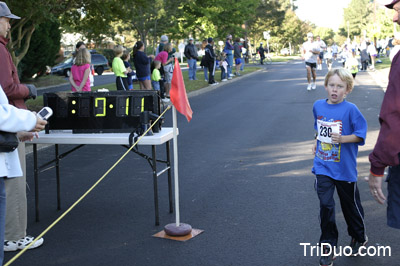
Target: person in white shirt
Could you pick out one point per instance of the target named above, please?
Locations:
(310, 54)
(322, 47)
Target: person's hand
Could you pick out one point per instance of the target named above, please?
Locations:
(314, 148)
(151, 56)
(375, 187)
(25, 136)
(32, 91)
(336, 138)
(40, 124)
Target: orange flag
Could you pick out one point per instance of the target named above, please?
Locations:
(178, 93)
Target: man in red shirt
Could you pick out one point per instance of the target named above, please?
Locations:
(17, 93)
(387, 147)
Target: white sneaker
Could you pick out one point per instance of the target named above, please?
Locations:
(224, 80)
(22, 243)
(10, 245)
(309, 87)
(231, 75)
(313, 86)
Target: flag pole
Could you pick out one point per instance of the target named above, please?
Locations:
(179, 102)
(176, 171)
(177, 228)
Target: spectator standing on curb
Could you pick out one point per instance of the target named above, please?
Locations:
(210, 61)
(237, 54)
(16, 206)
(310, 52)
(163, 41)
(81, 45)
(192, 57)
(119, 69)
(155, 75)
(166, 64)
(203, 61)
(228, 49)
(223, 66)
(387, 148)
(261, 51)
(80, 71)
(125, 58)
(13, 119)
(341, 128)
(142, 65)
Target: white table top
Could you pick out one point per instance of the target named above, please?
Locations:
(67, 137)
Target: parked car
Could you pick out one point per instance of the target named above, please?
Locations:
(99, 62)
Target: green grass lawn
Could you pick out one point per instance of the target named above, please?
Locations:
(385, 63)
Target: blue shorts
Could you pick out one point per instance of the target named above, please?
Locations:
(393, 198)
(238, 61)
(144, 78)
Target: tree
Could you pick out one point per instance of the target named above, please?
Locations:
(43, 49)
(32, 14)
(355, 18)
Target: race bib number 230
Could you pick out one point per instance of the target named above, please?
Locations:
(325, 130)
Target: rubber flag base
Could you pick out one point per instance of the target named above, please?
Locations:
(192, 234)
(174, 230)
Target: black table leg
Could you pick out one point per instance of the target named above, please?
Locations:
(153, 151)
(58, 178)
(171, 208)
(36, 177)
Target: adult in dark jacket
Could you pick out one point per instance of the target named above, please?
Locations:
(261, 51)
(192, 57)
(387, 148)
(210, 60)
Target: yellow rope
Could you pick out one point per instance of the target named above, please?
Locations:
(86, 193)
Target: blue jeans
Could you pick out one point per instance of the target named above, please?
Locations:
(192, 69)
(393, 198)
(2, 217)
(223, 73)
(229, 56)
(205, 69)
(156, 85)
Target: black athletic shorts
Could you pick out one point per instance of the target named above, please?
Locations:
(312, 65)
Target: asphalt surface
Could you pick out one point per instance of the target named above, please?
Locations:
(245, 179)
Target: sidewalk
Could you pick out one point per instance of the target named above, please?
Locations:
(381, 77)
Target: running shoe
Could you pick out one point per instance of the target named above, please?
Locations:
(309, 87)
(355, 246)
(313, 86)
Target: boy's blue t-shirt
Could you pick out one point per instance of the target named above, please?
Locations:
(338, 161)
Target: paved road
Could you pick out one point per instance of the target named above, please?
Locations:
(244, 176)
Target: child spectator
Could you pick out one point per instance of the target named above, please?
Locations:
(341, 128)
(155, 75)
(120, 70)
(80, 71)
(125, 57)
(223, 64)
